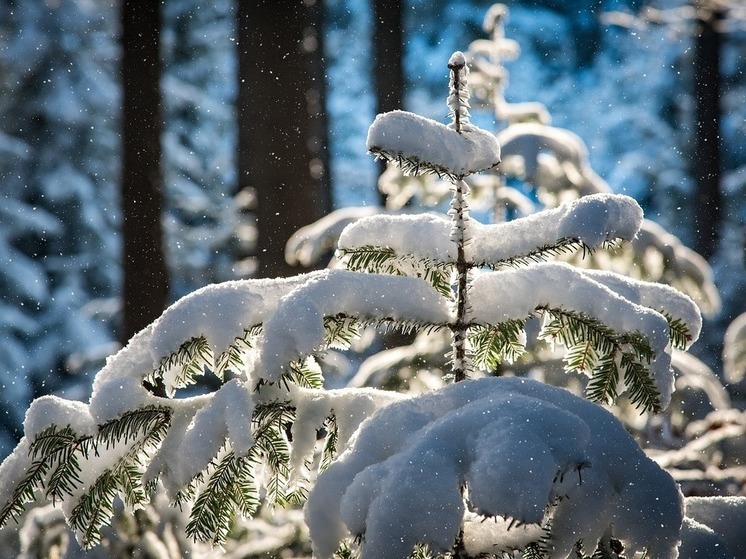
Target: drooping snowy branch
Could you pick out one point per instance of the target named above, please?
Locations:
(219, 314)
(307, 245)
(515, 294)
(399, 482)
(297, 326)
(588, 222)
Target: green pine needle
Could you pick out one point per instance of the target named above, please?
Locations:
(678, 331)
(385, 260)
(192, 359)
(582, 357)
(590, 342)
(340, 331)
(49, 449)
(534, 551)
(307, 375)
(493, 344)
(233, 358)
(330, 443)
(543, 253)
(640, 384)
(412, 165)
(149, 424)
(94, 510)
(602, 387)
(229, 487)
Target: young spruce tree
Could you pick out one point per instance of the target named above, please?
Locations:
(556, 474)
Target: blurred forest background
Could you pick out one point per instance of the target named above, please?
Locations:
(150, 148)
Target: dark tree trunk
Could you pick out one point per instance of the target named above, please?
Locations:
(707, 159)
(145, 276)
(388, 53)
(282, 148)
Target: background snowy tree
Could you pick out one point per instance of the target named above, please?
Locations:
(60, 207)
(199, 83)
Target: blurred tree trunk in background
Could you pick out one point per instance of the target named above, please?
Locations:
(145, 275)
(282, 132)
(388, 54)
(707, 93)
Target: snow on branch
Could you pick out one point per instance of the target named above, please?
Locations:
(297, 326)
(515, 294)
(589, 222)
(425, 236)
(420, 144)
(520, 449)
(218, 314)
(682, 313)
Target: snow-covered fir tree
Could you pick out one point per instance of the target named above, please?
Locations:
(542, 166)
(554, 474)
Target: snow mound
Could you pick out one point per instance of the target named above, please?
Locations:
(519, 447)
(718, 520)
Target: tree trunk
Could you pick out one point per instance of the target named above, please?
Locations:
(707, 158)
(388, 53)
(145, 275)
(282, 148)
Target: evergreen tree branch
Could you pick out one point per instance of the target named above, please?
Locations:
(412, 165)
(330, 443)
(602, 386)
(148, 423)
(340, 331)
(229, 486)
(306, 374)
(385, 260)
(191, 360)
(561, 247)
(94, 509)
(611, 354)
(493, 344)
(232, 358)
(271, 436)
(678, 331)
(49, 449)
(146, 427)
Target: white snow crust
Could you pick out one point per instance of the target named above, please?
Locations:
(422, 235)
(350, 407)
(592, 220)
(517, 444)
(655, 296)
(53, 410)
(225, 417)
(218, 312)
